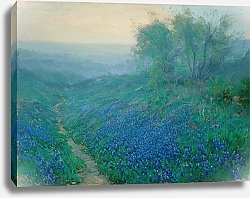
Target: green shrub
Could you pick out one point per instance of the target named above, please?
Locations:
(244, 94)
(235, 96)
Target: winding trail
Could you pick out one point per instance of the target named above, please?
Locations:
(90, 175)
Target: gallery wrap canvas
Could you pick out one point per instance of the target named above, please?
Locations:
(111, 93)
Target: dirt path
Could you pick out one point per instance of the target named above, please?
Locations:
(91, 174)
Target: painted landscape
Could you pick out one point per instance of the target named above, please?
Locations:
(105, 94)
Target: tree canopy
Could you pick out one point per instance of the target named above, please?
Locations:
(200, 45)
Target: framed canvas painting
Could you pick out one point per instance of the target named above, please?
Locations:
(112, 93)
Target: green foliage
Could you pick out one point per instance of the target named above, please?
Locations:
(152, 40)
(236, 95)
(158, 77)
(206, 41)
(244, 93)
(218, 88)
(198, 45)
(156, 44)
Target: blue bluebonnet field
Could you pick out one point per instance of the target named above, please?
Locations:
(143, 142)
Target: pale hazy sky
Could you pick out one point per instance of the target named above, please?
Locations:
(80, 22)
(94, 22)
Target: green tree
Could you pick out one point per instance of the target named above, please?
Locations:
(155, 46)
(206, 41)
(198, 47)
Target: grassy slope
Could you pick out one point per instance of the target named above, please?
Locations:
(127, 104)
(94, 103)
(43, 154)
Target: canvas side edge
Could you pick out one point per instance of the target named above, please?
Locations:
(14, 94)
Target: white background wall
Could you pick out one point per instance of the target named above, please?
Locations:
(7, 189)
